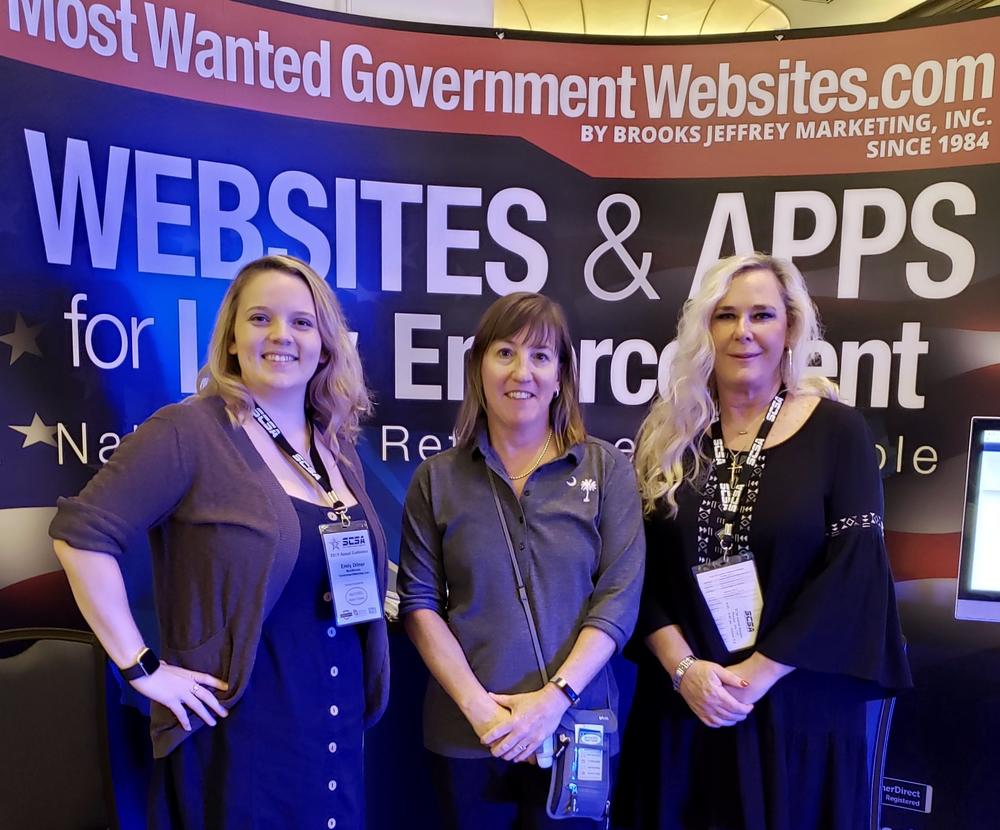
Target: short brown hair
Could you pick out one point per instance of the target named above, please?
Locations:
(539, 318)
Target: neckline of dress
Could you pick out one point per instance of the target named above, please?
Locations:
(802, 428)
(790, 438)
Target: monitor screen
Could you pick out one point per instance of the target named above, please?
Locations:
(979, 565)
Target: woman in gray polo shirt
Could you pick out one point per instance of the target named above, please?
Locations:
(571, 504)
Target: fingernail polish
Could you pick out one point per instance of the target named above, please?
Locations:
(744, 683)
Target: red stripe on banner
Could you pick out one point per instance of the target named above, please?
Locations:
(42, 601)
(762, 108)
(923, 555)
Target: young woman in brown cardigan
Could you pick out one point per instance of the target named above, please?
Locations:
(249, 637)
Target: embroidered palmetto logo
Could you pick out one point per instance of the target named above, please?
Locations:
(588, 485)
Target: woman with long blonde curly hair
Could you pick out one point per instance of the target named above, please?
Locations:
(669, 446)
(768, 614)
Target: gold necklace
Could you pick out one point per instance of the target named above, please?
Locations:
(537, 461)
(754, 422)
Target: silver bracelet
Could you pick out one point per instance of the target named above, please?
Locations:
(682, 667)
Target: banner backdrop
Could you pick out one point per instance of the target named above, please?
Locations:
(147, 149)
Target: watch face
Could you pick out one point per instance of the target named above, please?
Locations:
(149, 662)
(566, 689)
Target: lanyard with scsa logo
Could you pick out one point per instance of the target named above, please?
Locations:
(729, 583)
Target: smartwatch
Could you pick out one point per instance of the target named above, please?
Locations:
(564, 687)
(145, 664)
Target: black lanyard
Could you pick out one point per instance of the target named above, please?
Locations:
(316, 470)
(730, 495)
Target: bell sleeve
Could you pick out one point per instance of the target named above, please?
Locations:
(656, 604)
(844, 619)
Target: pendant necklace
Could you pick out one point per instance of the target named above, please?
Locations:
(735, 465)
(536, 462)
(755, 422)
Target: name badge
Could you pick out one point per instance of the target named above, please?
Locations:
(732, 592)
(350, 565)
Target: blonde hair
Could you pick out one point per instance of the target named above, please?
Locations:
(669, 441)
(336, 397)
(541, 320)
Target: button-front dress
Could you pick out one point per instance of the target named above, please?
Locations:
(290, 753)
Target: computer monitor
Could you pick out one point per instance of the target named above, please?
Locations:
(978, 596)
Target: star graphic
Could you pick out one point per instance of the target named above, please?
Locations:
(37, 432)
(22, 339)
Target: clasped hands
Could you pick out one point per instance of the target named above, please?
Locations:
(514, 726)
(722, 696)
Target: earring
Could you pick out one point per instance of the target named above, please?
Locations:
(555, 394)
(788, 361)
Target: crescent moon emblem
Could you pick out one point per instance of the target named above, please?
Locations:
(571, 481)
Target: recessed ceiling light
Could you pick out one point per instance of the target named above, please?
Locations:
(663, 16)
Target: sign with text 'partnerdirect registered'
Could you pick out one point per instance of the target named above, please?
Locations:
(907, 795)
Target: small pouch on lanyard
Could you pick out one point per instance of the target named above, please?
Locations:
(581, 780)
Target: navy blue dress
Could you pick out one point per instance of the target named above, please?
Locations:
(290, 753)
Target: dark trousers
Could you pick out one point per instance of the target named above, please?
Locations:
(490, 794)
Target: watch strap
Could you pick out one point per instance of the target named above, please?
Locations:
(145, 664)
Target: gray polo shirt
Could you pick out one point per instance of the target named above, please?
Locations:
(577, 533)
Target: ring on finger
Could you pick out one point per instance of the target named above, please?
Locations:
(195, 689)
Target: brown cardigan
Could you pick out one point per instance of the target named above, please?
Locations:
(224, 537)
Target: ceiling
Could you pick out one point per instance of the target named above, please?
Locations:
(660, 18)
(651, 18)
